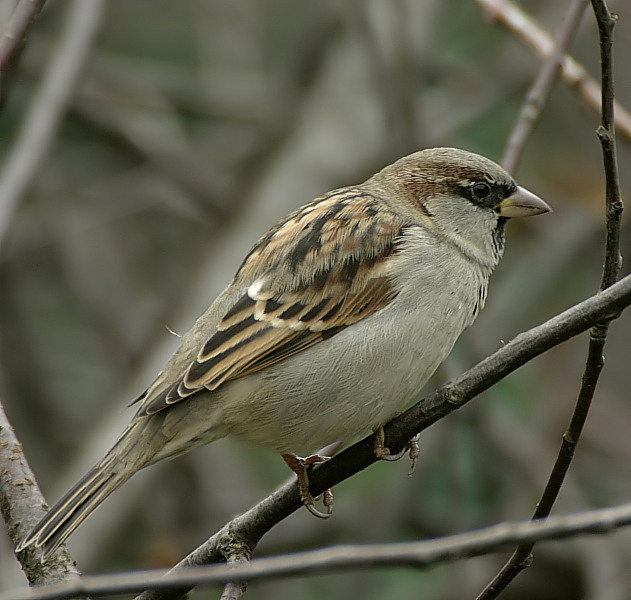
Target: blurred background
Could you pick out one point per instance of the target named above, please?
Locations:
(193, 127)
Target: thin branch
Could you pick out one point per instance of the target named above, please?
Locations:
(47, 108)
(417, 555)
(14, 37)
(237, 554)
(22, 506)
(606, 134)
(542, 87)
(521, 558)
(232, 591)
(572, 72)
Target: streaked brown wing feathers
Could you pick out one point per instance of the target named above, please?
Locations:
(302, 292)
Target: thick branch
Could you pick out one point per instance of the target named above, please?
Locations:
(22, 506)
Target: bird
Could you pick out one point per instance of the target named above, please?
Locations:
(333, 322)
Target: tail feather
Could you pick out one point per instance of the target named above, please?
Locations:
(73, 508)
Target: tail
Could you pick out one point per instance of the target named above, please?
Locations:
(120, 463)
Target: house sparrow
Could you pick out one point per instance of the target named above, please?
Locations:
(333, 322)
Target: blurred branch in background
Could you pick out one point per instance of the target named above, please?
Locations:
(573, 73)
(392, 70)
(538, 94)
(14, 38)
(47, 107)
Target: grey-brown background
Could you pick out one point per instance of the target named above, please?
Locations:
(195, 126)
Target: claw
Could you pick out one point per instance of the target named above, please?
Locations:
(327, 500)
(414, 453)
(300, 466)
(382, 452)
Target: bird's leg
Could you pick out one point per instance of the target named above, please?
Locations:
(300, 466)
(382, 452)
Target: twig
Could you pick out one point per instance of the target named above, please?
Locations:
(13, 38)
(232, 591)
(235, 554)
(417, 555)
(521, 558)
(572, 72)
(43, 115)
(606, 134)
(541, 88)
(22, 506)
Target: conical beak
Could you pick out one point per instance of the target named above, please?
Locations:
(521, 203)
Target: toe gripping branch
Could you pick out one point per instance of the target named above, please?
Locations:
(300, 466)
(382, 452)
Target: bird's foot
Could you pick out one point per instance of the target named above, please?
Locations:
(382, 452)
(300, 466)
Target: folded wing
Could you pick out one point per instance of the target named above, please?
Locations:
(317, 272)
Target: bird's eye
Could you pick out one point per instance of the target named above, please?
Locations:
(480, 190)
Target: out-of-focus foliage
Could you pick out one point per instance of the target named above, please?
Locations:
(196, 125)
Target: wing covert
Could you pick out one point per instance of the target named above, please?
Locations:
(320, 270)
